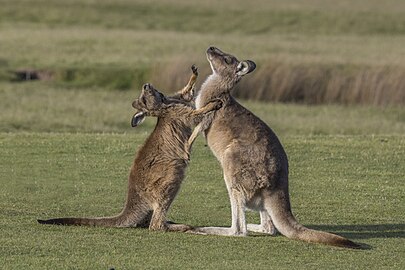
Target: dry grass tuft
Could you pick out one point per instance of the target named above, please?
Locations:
(321, 84)
(307, 84)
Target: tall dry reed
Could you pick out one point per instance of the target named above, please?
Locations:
(309, 84)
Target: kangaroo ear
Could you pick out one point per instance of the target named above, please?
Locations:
(137, 119)
(245, 67)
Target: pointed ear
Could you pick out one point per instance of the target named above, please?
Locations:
(245, 67)
(137, 119)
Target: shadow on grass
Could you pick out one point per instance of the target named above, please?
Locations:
(364, 231)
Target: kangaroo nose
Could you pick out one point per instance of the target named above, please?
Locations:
(211, 48)
(146, 86)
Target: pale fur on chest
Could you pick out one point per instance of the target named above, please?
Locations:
(207, 91)
(210, 89)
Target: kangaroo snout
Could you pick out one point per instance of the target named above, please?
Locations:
(214, 50)
(146, 86)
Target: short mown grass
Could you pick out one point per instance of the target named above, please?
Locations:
(349, 185)
(66, 144)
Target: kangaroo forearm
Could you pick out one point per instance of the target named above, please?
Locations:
(190, 85)
(187, 93)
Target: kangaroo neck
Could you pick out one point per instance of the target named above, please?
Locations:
(214, 86)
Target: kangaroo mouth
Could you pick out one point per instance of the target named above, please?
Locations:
(214, 50)
(211, 53)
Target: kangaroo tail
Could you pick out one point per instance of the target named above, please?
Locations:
(106, 222)
(287, 225)
(121, 220)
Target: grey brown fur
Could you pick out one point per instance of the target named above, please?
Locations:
(253, 160)
(160, 164)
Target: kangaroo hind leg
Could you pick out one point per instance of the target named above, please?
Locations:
(159, 223)
(266, 224)
(238, 227)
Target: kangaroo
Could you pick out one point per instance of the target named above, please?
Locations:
(253, 160)
(160, 164)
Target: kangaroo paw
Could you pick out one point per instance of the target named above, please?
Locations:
(194, 69)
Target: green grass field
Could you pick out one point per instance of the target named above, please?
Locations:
(66, 144)
(350, 185)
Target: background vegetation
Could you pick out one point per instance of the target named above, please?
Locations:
(307, 51)
(66, 144)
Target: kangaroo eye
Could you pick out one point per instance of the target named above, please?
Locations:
(228, 60)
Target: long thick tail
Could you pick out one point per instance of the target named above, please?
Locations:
(122, 220)
(105, 222)
(279, 209)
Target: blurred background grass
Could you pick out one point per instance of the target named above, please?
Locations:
(312, 51)
(44, 107)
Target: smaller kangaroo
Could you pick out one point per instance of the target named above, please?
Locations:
(160, 164)
(253, 160)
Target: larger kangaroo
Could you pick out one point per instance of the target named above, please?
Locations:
(253, 160)
(160, 164)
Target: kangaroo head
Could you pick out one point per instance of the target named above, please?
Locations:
(154, 103)
(150, 102)
(227, 66)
